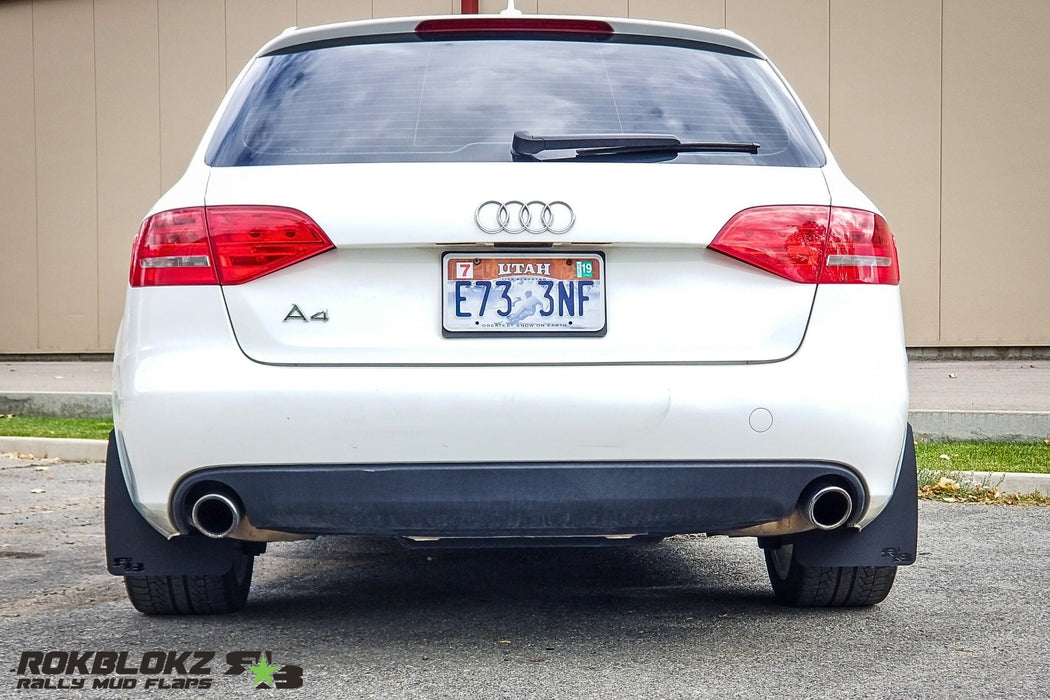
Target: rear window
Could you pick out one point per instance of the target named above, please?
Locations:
(404, 99)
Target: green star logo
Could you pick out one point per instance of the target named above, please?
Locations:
(263, 671)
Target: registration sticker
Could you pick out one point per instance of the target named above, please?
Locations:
(547, 293)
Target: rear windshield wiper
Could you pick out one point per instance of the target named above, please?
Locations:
(526, 144)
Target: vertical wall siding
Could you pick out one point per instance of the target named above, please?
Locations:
(995, 251)
(127, 133)
(939, 110)
(66, 175)
(19, 308)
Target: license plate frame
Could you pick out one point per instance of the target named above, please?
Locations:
(570, 286)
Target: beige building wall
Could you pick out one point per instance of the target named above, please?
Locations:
(938, 109)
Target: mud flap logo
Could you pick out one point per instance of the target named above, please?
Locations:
(897, 556)
(127, 564)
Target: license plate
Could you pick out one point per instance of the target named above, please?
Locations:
(523, 293)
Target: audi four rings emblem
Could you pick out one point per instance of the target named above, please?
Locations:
(521, 217)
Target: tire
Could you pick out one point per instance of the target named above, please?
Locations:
(193, 595)
(825, 586)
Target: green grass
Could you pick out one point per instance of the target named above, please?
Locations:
(32, 426)
(1027, 457)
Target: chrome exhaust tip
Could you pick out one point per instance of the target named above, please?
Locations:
(828, 507)
(216, 515)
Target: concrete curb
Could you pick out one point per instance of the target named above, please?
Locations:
(57, 404)
(68, 449)
(1011, 482)
(1003, 426)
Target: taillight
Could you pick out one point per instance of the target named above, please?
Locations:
(225, 244)
(250, 242)
(813, 244)
(787, 241)
(513, 24)
(172, 248)
(860, 249)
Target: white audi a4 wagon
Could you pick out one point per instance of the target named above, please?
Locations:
(519, 280)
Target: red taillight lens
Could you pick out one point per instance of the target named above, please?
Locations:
(250, 242)
(787, 241)
(860, 249)
(513, 24)
(812, 244)
(172, 248)
(227, 245)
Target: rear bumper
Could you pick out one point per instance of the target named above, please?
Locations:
(188, 401)
(519, 500)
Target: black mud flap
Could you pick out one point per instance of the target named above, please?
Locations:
(890, 540)
(134, 548)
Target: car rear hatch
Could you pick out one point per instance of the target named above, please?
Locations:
(380, 296)
(395, 140)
